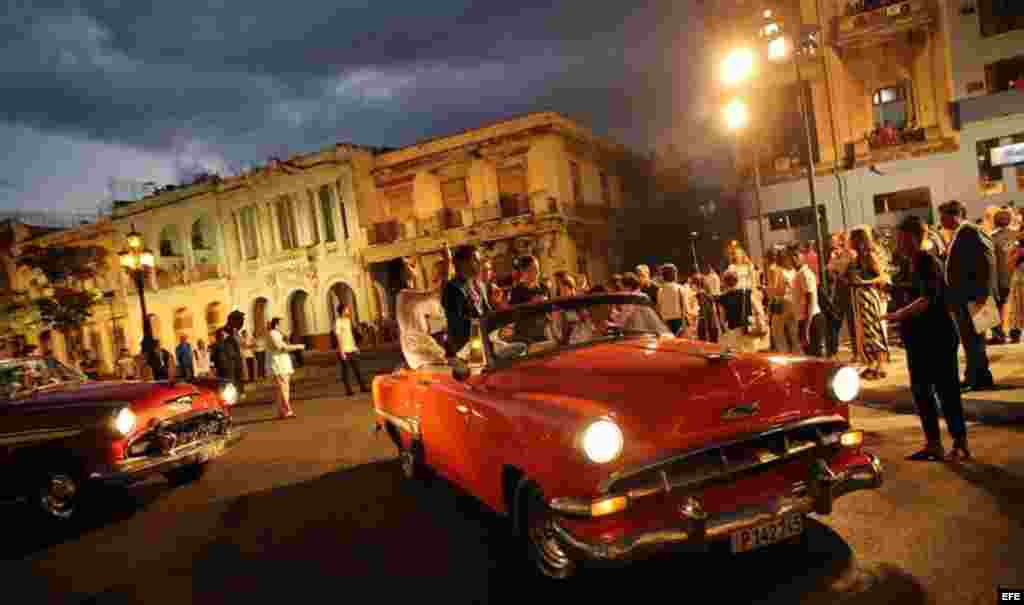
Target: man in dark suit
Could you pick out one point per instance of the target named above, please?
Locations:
(463, 299)
(231, 351)
(971, 280)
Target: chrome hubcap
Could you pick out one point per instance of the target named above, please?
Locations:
(57, 496)
(542, 534)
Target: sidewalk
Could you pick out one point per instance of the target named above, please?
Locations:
(318, 376)
(1004, 404)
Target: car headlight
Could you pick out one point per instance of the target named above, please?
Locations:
(844, 385)
(602, 441)
(229, 394)
(124, 422)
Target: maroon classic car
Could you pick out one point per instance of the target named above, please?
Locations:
(61, 434)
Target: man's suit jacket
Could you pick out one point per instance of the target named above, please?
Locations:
(460, 310)
(231, 354)
(970, 266)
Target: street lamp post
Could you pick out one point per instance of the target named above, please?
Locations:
(137, 260)
(806, 118)
(739, 67)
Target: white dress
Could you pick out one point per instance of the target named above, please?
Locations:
(280, 354)
(202, 362)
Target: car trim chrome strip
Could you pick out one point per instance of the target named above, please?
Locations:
(605, 486)
(698, 529)
(407, 424)
(38, 435)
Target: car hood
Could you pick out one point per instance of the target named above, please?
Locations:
(670, 394)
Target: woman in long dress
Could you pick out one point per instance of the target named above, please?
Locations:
(281, 367)
(867, 276)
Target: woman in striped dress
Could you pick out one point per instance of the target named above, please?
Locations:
(868, 276)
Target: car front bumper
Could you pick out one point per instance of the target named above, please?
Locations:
(698, 530)
(134, 470)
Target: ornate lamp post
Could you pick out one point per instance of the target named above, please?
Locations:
(137, 260)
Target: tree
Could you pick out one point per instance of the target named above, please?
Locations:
(61, 273)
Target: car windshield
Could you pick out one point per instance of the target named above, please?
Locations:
(538, 329)
(23, 377)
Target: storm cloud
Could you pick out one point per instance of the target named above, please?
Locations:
(167, 89)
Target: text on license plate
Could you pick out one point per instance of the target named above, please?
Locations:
(767, 533)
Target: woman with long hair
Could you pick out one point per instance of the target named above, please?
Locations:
(868, 276)
(281, 367)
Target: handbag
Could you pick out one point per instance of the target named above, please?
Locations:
(986, 316)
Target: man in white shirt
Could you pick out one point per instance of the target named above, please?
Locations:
(712, 282)
(348, 351)
(805, 298)
(672, 300)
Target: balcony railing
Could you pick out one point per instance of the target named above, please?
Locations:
(384, 233)
(880, 21)
(442, 220)
(979, 109)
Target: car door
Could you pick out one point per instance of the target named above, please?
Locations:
(444, 421)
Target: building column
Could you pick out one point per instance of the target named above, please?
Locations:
(274, 226)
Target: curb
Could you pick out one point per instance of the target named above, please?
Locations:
(975, 410)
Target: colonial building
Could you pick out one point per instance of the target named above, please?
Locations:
(294, 239)
(539, 185)
(902, 64)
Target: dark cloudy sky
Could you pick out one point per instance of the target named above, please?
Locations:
(132, 90)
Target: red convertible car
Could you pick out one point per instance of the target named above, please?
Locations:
(61, 434)
(604, 438)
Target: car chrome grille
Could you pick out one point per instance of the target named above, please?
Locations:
(716, 463)
(168, 435)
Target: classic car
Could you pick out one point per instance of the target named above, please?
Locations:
(62, 435)
(610, 439)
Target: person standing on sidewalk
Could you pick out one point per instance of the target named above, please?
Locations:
(248, 355)
(185, 359)
(932, 343)
(971, 280)
(348, 351)
(810, 319)
(281, 368)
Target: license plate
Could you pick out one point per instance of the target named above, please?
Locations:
(767, 533)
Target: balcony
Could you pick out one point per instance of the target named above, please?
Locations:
(441, 221)
(387, 232)
(987, 107)
(888, 21)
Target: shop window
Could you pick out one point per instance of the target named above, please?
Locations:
(1003, 75)
(990, 175)
(902, 201)
(999, 16)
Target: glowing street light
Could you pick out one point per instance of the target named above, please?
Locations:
(738, 66)
(736, 114)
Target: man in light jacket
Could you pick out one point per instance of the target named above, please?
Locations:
(971, 280)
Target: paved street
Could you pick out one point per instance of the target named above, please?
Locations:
(316, 504)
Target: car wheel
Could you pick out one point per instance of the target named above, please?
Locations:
(186, 474)
(59, 495)
(543, 546)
